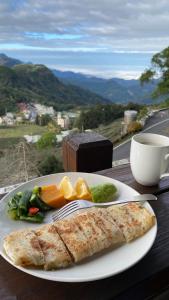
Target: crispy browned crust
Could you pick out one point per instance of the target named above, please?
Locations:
(134, 220)
(74, 238)
(54, 250)
(99, 231)
(23, 248)
(56, 245)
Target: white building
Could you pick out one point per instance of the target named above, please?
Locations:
(19, 119)
(44, 110)
(63, 120)
(8, 121)
(9, 115)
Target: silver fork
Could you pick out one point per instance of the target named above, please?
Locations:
(81, 204)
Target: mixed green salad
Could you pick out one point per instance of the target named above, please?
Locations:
(27, 206)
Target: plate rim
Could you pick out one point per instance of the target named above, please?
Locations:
(97, 277)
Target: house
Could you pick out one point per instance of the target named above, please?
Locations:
(63, 120)
(10, 115)
(8, 119)
(19, 119)
(44, 110)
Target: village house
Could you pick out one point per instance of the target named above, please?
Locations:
(44, 110)
(8, 119)
(63, 120)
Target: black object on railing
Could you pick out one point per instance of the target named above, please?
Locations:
(87, 152)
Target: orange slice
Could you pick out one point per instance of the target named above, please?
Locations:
(67, 189)
(82, 189)
(51, 195)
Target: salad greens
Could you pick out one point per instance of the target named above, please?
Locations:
(27, 206)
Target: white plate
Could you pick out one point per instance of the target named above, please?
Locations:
(97, 267)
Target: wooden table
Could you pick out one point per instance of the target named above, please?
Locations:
(146, 280)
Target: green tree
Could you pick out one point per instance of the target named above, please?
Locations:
(159, 68)
(43, 120)
(134, 127)
(48, 139)
(53, 127)
(99, 114)
(143, 112)
(50, 165)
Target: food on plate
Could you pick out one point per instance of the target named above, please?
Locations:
(23, 248)
(82, 189)
(51, 195)
(31, 205)
(27, 206)
(88, 233)
(80, 236)
(66, 188)
(133, 219)
(103, 192)
(55, 252)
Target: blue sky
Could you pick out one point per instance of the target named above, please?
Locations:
(110, 38)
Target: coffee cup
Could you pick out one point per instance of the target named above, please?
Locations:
(149, 158)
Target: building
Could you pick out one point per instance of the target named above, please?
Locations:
(44, 110)
(9, 119)
(63, 120)
(19, 119)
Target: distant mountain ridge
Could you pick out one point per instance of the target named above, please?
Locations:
(36, 83)
(8, 61)
(117, 90)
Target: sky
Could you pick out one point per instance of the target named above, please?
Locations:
(110, 38)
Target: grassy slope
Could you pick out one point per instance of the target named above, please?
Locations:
(112, 131)
(21, 130)
(10, 136)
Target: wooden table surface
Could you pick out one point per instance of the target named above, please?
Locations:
(145, 280)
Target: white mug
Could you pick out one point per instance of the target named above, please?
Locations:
(149, 158)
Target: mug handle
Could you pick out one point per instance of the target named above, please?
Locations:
(165, 174)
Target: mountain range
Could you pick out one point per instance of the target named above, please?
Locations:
(36, 83)
(117, 90)
(21, 82)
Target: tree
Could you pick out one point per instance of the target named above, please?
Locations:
(159, 68)
(48, 139)
(134, 127)
(53, 127)
(50, 165)
(43, 120)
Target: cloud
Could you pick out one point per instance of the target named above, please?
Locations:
(114, 24)
(88, 26)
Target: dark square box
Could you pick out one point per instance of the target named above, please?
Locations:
(87, 152)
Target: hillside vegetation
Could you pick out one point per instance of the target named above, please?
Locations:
(115, 89)
(36, 83)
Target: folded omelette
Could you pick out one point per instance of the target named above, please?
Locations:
(71, 240)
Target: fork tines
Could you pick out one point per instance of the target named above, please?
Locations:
(66, 210)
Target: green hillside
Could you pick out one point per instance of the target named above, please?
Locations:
(36, 83)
